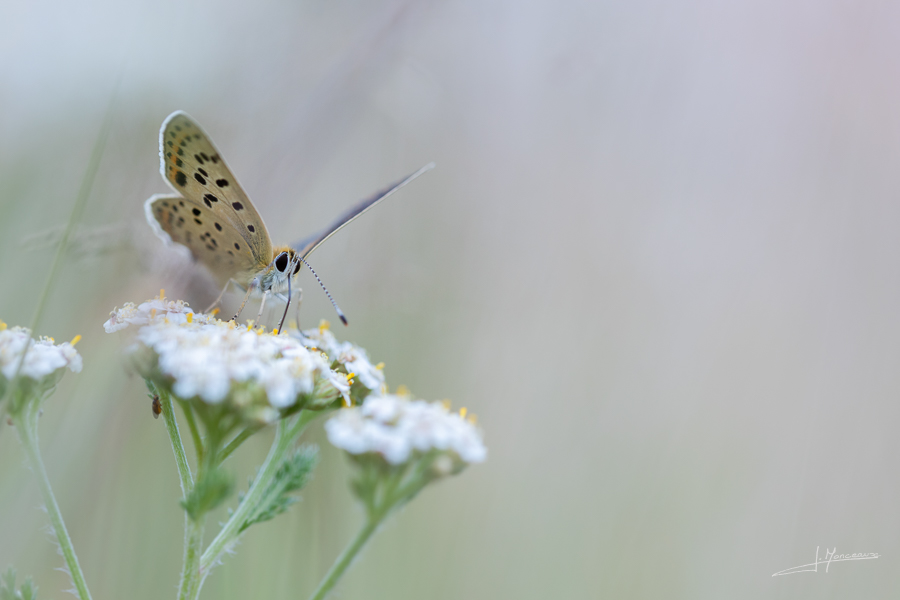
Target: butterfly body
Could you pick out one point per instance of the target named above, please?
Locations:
(214, 218)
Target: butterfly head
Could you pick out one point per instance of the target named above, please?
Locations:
(285, 265)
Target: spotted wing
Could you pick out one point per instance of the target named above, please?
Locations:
(212, 240)
(194, 168)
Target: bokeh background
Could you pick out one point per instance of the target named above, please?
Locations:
(659, 258)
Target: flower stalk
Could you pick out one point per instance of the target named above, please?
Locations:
(25, 423)
(285, 436)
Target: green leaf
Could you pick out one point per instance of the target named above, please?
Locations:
(209, 492)
(8, 585)
(28, 591)
(291, 476)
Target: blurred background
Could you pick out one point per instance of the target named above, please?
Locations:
(659, 259)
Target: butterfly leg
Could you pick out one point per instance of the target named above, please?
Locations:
(250, 289)
(262, 305)
(219, 299)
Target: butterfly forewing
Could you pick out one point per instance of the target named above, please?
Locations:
(194, 168)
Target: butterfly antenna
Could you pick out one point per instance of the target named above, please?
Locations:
(327, 293)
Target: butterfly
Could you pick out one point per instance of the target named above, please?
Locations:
(213, 217)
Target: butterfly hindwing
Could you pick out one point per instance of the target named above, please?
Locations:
(193, 167)
(212, 240)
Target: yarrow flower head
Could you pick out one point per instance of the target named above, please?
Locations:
(391, 432)
(256, 375)
(43, 364)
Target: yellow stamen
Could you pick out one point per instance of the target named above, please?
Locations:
(275, 331)
(446, 403)
(462, 412)
(473, 419)
(190, 317)
(324, 326)
(75, 339)
(215, 311)
(152, 313)
(402, 390)
(384, 389)
(379, 366)
(2, 326)
(162, 294)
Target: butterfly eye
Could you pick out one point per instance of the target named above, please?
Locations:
(281, 262)
(296, 267)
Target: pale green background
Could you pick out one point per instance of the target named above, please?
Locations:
(659, 258)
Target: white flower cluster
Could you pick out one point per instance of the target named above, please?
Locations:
(201, 356)
(206, 359)
(354, 358)
(43, 357)
(396, 428)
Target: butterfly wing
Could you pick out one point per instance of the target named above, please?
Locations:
(193, 167)
(306, 246)
(212, 240)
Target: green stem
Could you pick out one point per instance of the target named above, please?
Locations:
(284, 437)
(191, 580)
(189, 587)
(398, 490)
(347, 556)
(237, 441)
(184, 469)
(195, 432)
(26, 425)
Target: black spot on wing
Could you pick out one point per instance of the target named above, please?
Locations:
(237, 246)
(196, 212)
(180, 178)
(203, 172)
(237, 206)
(218, 227)
(251, 228)
(222, 182)
(199, 178)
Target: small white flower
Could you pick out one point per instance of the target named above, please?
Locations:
(352, 357)
(43, 357)
(396, 428)
(156, 310)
